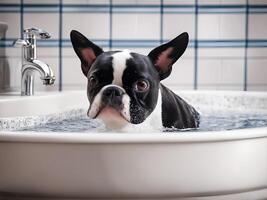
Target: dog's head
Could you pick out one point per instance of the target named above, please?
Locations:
(123, 86)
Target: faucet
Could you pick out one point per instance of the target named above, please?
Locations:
(30, 63)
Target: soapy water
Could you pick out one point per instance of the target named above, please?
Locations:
(211, 120)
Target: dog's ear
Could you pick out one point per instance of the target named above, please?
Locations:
(86, 50)
(164, 56)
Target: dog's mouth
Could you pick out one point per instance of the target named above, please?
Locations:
(113, 117)
(109, 112)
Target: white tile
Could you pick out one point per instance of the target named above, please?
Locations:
(85, 1)
(221, 53)
(68, 52)
(93, 26)
(136, 26)
(222, 2)
(182, 74)
(209, 72)
(208, 27)
(175, 24)
(72, 76)
(257, 26)
(221, 26)
(147, 2)
(232, 72)
(257, 2)
(9, 1)
(220, 73)
(41, 2)
(232, 26)
(257, 87)
(257, 53)
(47, 52)
(48, 22)
(189, 53)
(220, 87)
(178, 2)
(143, 51)
(257, 71)
(13, 22)
(71, 73)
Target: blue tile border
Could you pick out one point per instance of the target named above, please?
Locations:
(149, 43)
(10, 8)
(21, 18)
(135, 8)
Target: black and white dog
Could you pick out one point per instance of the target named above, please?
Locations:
(124, 87)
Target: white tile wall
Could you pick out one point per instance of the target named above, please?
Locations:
(257, 73)
(136, 26)
(85, 1)
(182, 76)
(13, 21)
(221, 26)
(222, 73)
(257, 52)
(174, 24)
(216, 2)
(213, 53)
(218, 68)
(147, 2)
(93, 25)
(72, 73)
(257, 22)
(257, 2)
(179, 2)
(41, 2)
(10, 1)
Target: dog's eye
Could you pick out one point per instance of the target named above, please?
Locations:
(92, 81)
(141, 86)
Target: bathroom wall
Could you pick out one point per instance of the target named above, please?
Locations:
(227, 50)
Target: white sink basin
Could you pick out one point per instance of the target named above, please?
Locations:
(214, 165)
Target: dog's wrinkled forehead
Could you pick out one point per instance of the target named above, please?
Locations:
(115, 64)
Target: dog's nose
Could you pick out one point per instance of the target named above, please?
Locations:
(112, 92)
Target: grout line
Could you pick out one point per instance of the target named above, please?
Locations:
(246, 48)
(60, 45)
(21, 18)
(196, 47)
(110, 24)
(161, 21)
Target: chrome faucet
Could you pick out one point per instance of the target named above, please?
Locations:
(30, 63)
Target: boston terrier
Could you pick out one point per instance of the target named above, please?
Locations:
(124, 87)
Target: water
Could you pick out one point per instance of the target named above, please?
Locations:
(210, 121)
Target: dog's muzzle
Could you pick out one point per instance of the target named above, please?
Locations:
(112, 96)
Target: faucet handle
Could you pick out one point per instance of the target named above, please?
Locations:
(21, 42)
(37, 32)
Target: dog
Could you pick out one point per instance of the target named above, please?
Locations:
(124, 87)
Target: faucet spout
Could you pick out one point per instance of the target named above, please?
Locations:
(27, 79)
